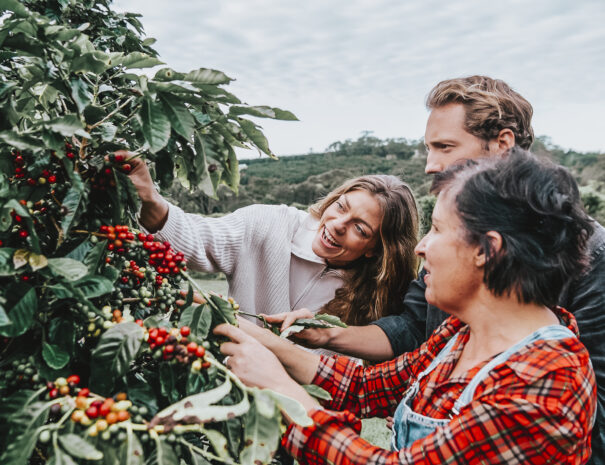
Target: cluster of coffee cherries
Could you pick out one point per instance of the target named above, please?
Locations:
(65, 387)
(118, 236)
(19, 374)
(160, 255)
(165, 260)
(99, 414)
(32, 179)
(173, 344)
(103, 179)
(19, 228)
(98, 324)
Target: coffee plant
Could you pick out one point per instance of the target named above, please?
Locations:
(98, 363)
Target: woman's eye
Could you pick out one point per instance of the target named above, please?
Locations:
(339, 205)
(361, 231)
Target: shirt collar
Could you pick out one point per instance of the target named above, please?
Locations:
(303, 240)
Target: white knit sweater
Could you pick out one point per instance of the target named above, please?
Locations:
(265, 252)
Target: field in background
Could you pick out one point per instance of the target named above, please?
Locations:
(217, 285)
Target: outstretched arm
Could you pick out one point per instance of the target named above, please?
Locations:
(376, 346)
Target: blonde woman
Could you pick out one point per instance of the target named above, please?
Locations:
(351, 255)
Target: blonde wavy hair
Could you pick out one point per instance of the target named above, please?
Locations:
(376, 284)
(490, 106)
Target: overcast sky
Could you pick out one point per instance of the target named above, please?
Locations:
(346, 66)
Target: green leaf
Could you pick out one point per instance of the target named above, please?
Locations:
(168, 383)
(207, 76)
(111, 358)
(198, 318)
(72, 270)
(25, 427)
(167, 74)
(317, 392)
(95, 256)
(80, 448)
(21, 315)
(255, 135)
(218, 442)
(21, 141)
(107, 131)
(14, 6)
(141, 393)
(4, 320)
(60, 458)
(94, 286)
(71, 203)
(181, 119)
(54, 356)
(67, 126)
(199, 408)
(62, 333)
(223, 309)
(261, 437)
(6, 261)
(293, 408)
(138, 60)
(293, 329)
(162, 454)
(262, 112)
(155, 124)
(80, 93)
(93, 62)
(330, 319)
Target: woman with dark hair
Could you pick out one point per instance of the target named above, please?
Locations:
(351, 255)
(504, 379)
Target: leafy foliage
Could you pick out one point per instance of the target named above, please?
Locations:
(92, 346)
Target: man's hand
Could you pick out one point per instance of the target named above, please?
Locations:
(310, 337)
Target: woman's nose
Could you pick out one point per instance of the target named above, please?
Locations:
(339, 225)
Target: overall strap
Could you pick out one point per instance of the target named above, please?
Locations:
(440, 356)
(552, 332)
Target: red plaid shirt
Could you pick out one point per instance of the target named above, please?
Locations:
(536, 408)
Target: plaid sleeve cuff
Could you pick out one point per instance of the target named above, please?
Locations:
(296, 437)
(335, 374)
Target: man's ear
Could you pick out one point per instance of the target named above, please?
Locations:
(505, 140)
(495, 245)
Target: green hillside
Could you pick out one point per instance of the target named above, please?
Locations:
(301, 180)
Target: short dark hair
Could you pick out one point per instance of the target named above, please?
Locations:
(490, 105)
(536, 207)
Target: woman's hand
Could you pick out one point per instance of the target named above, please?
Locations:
(252, 362)
(138, 174)
(154, 210)
(310, 337)
(257, 366)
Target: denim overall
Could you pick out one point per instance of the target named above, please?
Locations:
(409, 426)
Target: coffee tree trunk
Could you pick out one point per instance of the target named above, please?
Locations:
(97, 363)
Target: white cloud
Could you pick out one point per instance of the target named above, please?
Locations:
(345, 66)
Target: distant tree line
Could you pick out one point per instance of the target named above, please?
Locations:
(303, 179)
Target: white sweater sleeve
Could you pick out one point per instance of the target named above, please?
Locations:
(209, 244)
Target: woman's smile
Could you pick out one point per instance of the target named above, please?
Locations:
(349, 228)
(329, 240)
